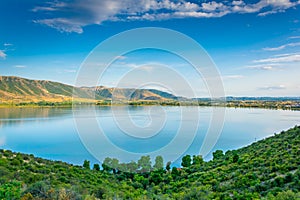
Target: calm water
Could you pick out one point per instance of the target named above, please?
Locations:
(128, 132)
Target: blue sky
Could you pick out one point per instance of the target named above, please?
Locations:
(254, 44)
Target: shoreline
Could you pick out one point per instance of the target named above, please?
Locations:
(67, 105)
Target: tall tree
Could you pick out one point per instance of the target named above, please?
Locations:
(132, 167)
(186, 161)
(96, 167)
(168, 166)
(218, 154)
(114, 165)
(159, 163)
(198, 160)
(107, 164)
(144, 164)
(86, 164)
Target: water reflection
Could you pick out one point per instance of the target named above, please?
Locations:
(14, 116)
(51, 132)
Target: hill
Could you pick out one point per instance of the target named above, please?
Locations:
(267, 169)
(17, 90)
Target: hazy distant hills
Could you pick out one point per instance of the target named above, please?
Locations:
(16, 89)
(230, 98)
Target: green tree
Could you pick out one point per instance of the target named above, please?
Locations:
(235, 158)
(186, 161)
(198, 160)
(122, 167)
(96, 167)
(156, 177)
(144, 164)
(159, 163)
(107, 164)
(114, 165)
(132, 167)
(86, 164)
(175, 172)
(168, 166)
(11, 190)
(202, 192)
(287, 195)
(218, 154)
(39, 189)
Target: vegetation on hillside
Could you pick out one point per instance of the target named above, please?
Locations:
(267, 169)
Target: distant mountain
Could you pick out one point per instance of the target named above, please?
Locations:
(230, 98)
(16, 89)
(22, 90)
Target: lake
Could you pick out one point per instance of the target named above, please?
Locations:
(73, 135)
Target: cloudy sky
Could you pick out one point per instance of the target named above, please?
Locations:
(254, 44)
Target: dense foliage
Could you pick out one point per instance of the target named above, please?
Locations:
(267, 169)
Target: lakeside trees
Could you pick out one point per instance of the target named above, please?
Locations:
(267, 169)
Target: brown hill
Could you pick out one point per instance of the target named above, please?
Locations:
(16, 90)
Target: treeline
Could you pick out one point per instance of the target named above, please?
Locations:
(158, 102)
(267, 169)
(143, 165)
(139, 103)
(47, 104)
(283, 105)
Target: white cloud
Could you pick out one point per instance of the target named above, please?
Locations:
(3, 54)
(295, 21)
(265, 66)
(213, 6)
(147, 68)
(237, 3)
(269, 12)
(7, 44)
(20, 66)
(70, 71)
(230, 77)
(279, 87)
(131, 65)
(120, 57)
(73, 15)
(283, 58)
(282, 47)
(200, 14)
(62, 24)
(49, 6)
(294, 37)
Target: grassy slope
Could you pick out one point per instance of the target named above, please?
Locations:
(22, 90)
(262, 170)
(16, 90)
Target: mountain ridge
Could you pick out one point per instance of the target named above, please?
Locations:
(17, 89)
